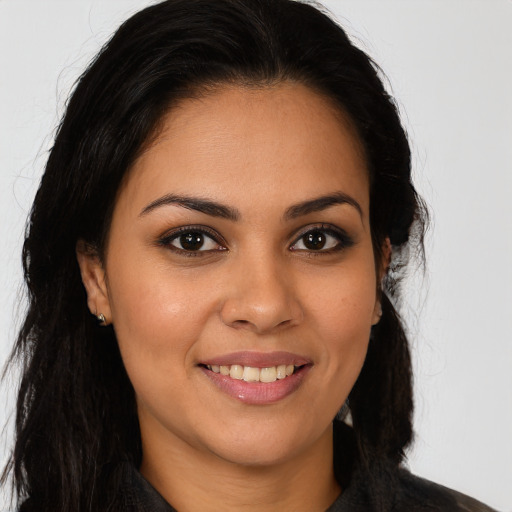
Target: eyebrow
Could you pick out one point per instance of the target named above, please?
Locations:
(321, 203)
(194, 203)
(215, 209)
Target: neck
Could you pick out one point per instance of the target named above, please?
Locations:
(190, 479)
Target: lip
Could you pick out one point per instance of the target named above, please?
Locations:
(257, 393)
(258, 359)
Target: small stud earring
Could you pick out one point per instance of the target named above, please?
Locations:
(101, 319)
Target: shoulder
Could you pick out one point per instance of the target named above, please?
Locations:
(419, 494)
(136, 494)
(387, 487)
(133, 493)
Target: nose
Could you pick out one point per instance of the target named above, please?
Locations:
(261, 297)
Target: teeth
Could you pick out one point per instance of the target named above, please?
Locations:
(281, 371)
(268, 374)
(236, 372)
(253, 374)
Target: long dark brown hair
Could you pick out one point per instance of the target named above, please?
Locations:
(76, 417)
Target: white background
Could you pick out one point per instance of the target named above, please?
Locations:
(449, 63)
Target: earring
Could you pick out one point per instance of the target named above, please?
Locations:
(344, 412)
(378, 314)
(101, 319)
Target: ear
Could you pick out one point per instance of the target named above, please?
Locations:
(94, 280)
(382, 270)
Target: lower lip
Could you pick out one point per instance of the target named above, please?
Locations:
(258, 393)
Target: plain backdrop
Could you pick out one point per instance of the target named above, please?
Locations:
(449, 65)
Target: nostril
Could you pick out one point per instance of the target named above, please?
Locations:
(240, 323)
(260, 312)
(246, 324)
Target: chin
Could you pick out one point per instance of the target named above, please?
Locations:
(257, 456)
(263, 447)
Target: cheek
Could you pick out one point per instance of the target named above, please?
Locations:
(344, 301)
(157, 315)
(345, 318)
(346, 333)
(158, 321)
(342, 309)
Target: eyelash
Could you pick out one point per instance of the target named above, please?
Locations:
(344, 241)
(166, 241)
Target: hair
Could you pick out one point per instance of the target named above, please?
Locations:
(76, 417)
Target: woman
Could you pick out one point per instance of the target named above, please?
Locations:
(212, 261)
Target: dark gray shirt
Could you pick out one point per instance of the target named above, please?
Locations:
(409, 494)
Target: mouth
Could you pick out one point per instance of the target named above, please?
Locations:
(254, 374)
(256, 378)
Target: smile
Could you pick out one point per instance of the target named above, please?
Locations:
(257, 378)
(254, 374)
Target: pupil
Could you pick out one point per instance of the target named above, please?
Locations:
(191, 241)
(314, 240)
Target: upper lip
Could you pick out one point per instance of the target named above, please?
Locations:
(258, 359)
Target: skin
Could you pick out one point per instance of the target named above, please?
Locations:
(255, 287)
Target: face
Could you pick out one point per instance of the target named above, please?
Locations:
(239, 274)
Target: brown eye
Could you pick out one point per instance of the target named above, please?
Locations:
(191, 241)
(314, 240)
(322, 240)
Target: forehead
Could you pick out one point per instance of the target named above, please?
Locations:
(282, 144)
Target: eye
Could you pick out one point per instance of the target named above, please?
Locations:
(194, 241)
(322, 239)
(191, 240)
